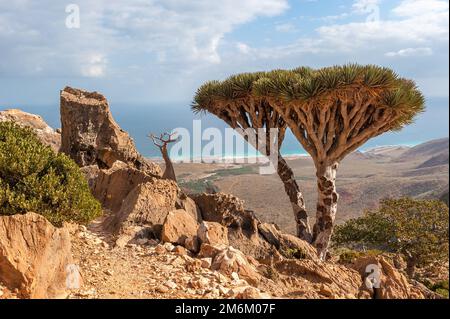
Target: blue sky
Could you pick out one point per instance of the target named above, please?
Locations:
(158, 51)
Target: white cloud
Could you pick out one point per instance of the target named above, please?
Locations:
(415, 27)
(365, 6)
(410, 52)
(285, 27)
(93, 65)
(164, 30)
(414, 8)
(421, 31)
(243, 48)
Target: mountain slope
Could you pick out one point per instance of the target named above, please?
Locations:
(434, 148)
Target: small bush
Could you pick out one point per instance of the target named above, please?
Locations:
(417, 229)
(441, 288)
(271, 273)
(294, 253)
(34, 179)
(348, 256)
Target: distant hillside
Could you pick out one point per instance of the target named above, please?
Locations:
(440, 159)
(393, 151)
(437, 149)
(363, 179)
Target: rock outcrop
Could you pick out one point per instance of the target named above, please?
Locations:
(320, 279)
(393, 284)
(46, 134)
(137, 202)
(90, 135)
(34, 256)
(247, 233)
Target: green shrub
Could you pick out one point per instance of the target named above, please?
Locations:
(34, 179)
(441, 288)
(294, 253)
(348, 256)
(417, 229)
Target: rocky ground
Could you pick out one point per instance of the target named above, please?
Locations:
(146, 271)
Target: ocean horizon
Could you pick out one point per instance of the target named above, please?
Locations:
(141, 120)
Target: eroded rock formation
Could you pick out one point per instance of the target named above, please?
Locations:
(34, 256)
(91, 136)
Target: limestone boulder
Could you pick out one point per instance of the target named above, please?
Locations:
(212, 233)
(222, 208)
(178, 226)
(45, 133)
(35, 257)
(242, 224)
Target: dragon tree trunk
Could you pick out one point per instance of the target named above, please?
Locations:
(326, 207)
(296, 198)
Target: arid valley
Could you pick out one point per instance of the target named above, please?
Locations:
(364, 179)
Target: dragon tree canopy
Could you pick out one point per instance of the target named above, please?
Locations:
(332, 111)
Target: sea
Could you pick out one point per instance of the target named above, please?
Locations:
(144, 119)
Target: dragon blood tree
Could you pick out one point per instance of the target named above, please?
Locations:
(332, 112)
(233, 101)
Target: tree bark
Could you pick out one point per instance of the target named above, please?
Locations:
(169, 172)
(411, 264)
(296, 198)
(326, 208)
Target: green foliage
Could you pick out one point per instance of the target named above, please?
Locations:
(294, 253)
(417, 229)
(303, 85)
(348, 256)
(34, 179)
(440, 287)
(442, 292)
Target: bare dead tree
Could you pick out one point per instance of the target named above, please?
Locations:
(161, 142)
